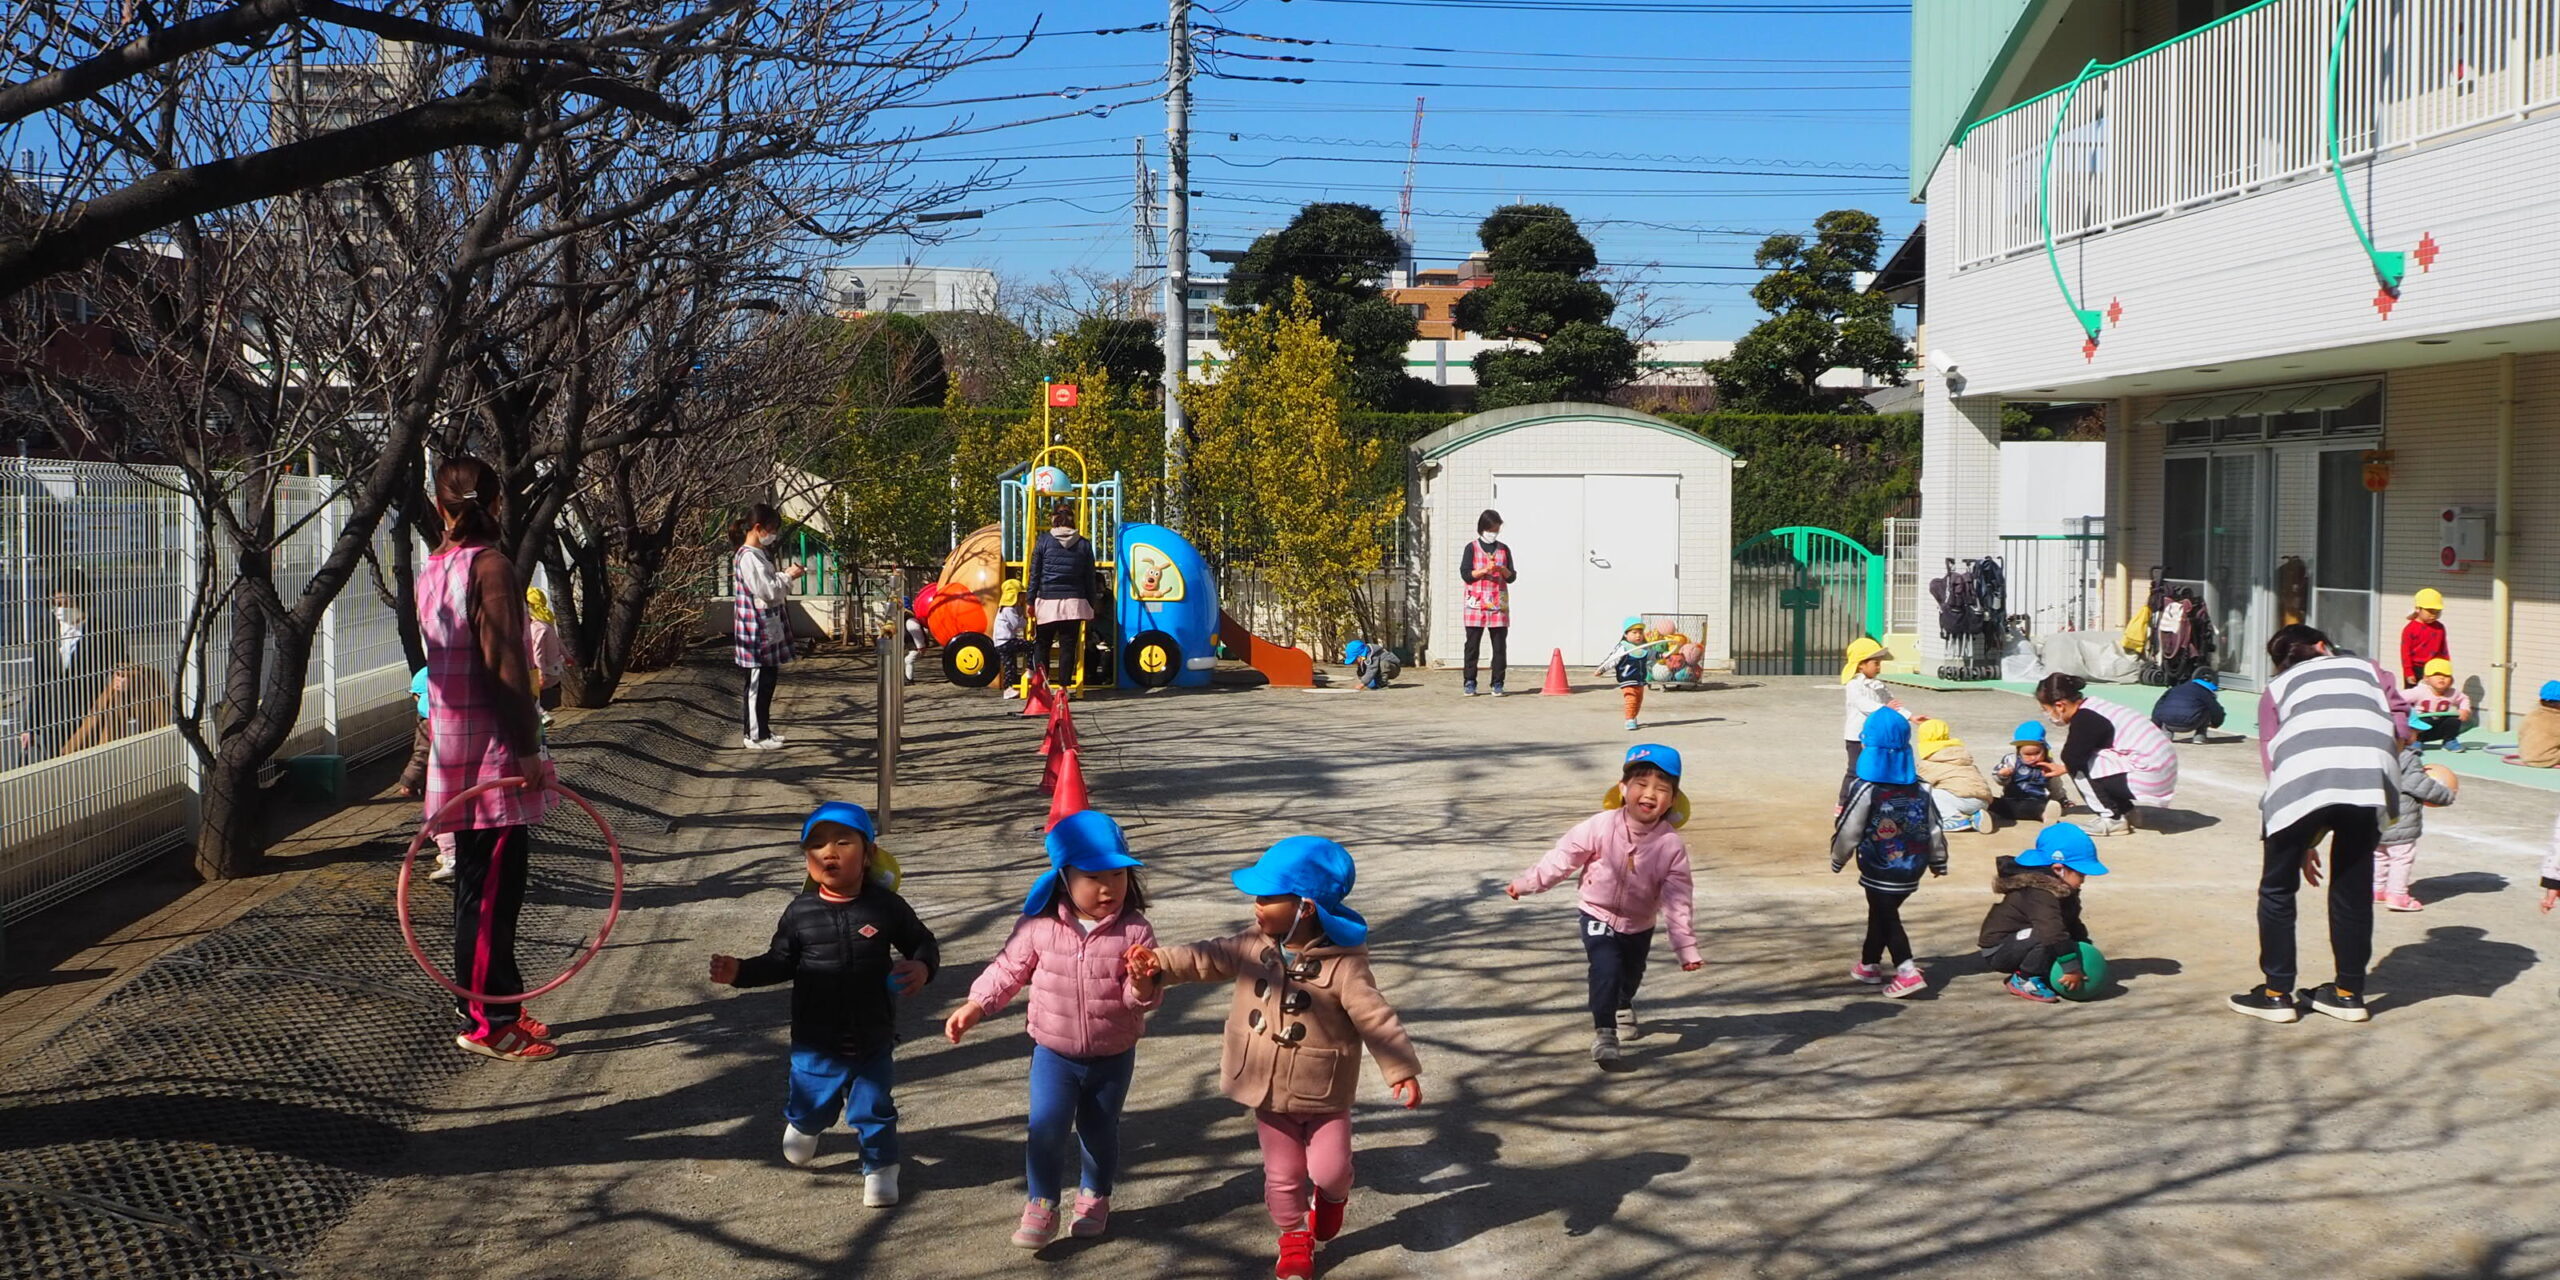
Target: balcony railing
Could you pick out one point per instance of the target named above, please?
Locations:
(2241, 105)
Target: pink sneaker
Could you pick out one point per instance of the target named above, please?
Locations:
(1907, 981)
(2404, 903)
(2380, 897)
(1867, 973)
(1039, 1225)
(1093, 1215)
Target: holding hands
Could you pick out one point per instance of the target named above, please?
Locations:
(1144, 964)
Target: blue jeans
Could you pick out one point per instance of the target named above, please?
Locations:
(1082, 1096)
(824, 1084)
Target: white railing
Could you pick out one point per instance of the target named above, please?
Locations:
(1902, 585)
(2240, 106)
(92, 778)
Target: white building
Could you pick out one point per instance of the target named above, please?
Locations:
(906, 287)
(2328, 387)
(1610, 513)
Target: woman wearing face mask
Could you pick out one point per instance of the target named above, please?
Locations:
(1485, 566)
(486, 727)
(760, 635)
(76, 667)
(2114, 754)
(1063, 585)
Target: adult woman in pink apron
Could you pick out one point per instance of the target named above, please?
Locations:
(485, 724)
(1485, 566)
(2114, 754)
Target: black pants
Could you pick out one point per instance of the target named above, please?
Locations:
(2017, 806)
(1015, 654)
(760, 700)
(1053, 634)
(2021, 955)
(488, 892)
(2437, 728)
(1617, 966)
(1884, 927)
(1501, 652)
(2353, 831)
(1849, 777)
(2110, 796)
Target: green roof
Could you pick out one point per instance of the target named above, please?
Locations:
(1493, 422)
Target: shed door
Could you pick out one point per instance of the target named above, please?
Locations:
(1631, 554)
(1542, 522)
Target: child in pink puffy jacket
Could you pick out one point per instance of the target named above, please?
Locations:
(1070, 947)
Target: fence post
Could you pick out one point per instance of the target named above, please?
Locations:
(191, 673)
(888, 723)
(325, 524)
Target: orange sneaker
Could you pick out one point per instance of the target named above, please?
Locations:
(508, 1044)
(532, 1026)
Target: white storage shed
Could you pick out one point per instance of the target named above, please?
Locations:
(1608, 512)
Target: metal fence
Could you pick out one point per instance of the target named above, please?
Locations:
(2057, 580)
(2240, 105)
(1902, 575)
(97, 566)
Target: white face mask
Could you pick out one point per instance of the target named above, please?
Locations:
(1487, 538)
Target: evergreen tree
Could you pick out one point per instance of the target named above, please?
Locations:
(1340, 253)
(1541, 293)
(1819, 320)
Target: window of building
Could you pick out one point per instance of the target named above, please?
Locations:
(1417, 310)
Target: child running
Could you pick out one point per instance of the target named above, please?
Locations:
(1071, 946)
(2438, 712)
(2396, 856)
(2026, 786)
(1630, 660)
(1861, 683)
(1633, 869)
(2036, 922)
(1890, 828)
(1305, 1004)
(834, 946)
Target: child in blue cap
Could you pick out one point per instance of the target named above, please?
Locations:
(2025, 775)
(846, 946)
(1305, 1005)
(1891, 829)
(2037, 919)
(1070, 947)
(1633, 868)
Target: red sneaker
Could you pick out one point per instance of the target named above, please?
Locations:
(532, 1026)
(509, 1044)
(1297, 1256)
(1326, 1221)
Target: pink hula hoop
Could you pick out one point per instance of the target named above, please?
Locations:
(612, 911)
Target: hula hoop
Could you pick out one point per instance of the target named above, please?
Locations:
(612, 911)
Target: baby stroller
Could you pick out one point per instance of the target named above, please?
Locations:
(2180, 639)
(1973, 602)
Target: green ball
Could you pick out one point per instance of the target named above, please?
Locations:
(2093, 966)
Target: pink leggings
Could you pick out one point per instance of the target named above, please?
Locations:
(2392, 865)
(1297, 1148)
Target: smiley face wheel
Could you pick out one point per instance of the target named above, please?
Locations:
(970, 660)
(1152, 659)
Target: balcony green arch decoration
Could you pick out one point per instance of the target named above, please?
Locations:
(2044, 202)
(2389, 268)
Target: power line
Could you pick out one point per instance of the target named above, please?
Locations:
(1611, 70)
(1295, 107)
(1892, 171)
(1574, 168)
(1631, 6)
(1570, 88)
(1554, 53)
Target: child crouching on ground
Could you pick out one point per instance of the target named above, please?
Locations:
(1305, 1005)
(834, 946)
(2438, 712)
(1631, 661)
(2190, 709)
(2026, 787)
(1891, 828)
(1087, 1013)
(2037, 919)
(1633, 868)
(2395, 858)
(1957, 789)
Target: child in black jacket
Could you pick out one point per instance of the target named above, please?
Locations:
(2037, 919)
(2190, 708)
(834, 946)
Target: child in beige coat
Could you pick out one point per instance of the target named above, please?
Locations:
(1305, 1005)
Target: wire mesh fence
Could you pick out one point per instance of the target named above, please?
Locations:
(100, 567)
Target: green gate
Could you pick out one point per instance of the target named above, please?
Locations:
(1800, 595)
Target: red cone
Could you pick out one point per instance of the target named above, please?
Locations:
(1036, 699)
(1556, 683)
(1070, 795)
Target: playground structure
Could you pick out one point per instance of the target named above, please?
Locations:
(1162, 626)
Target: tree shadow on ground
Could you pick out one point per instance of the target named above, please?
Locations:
(2452, 960)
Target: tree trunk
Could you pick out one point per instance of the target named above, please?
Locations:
(227, 843)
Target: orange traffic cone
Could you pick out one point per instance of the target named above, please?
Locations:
(1036, 699)
(1070, 796)
(1061, 733)
(1556, 683)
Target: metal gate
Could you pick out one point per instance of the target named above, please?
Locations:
(1800, 595)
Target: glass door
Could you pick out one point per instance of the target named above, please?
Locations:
(2235, 563)
(2342, 570)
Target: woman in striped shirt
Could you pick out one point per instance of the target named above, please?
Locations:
(2328, 738)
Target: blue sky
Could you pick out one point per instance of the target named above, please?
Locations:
(1639, 111)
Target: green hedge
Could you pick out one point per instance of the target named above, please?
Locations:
(1845, 472)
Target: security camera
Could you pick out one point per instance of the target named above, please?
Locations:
(1944, 362)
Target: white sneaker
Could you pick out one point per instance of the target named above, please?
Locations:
(1982, 821)
(1633, 725)
(755, 744)
(880, 1187)
(798, 1148)
(1013, 693)
(444, 869)
(771, 742)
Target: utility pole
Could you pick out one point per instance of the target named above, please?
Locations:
(1177, 246)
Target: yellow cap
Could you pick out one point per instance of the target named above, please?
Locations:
(2438, 667)
(1010, 596)
(1859, 650)
(2428, 598)
(1931, 736)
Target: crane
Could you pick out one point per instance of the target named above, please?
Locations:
(1404, 204)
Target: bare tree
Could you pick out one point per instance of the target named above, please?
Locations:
(545, 299)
